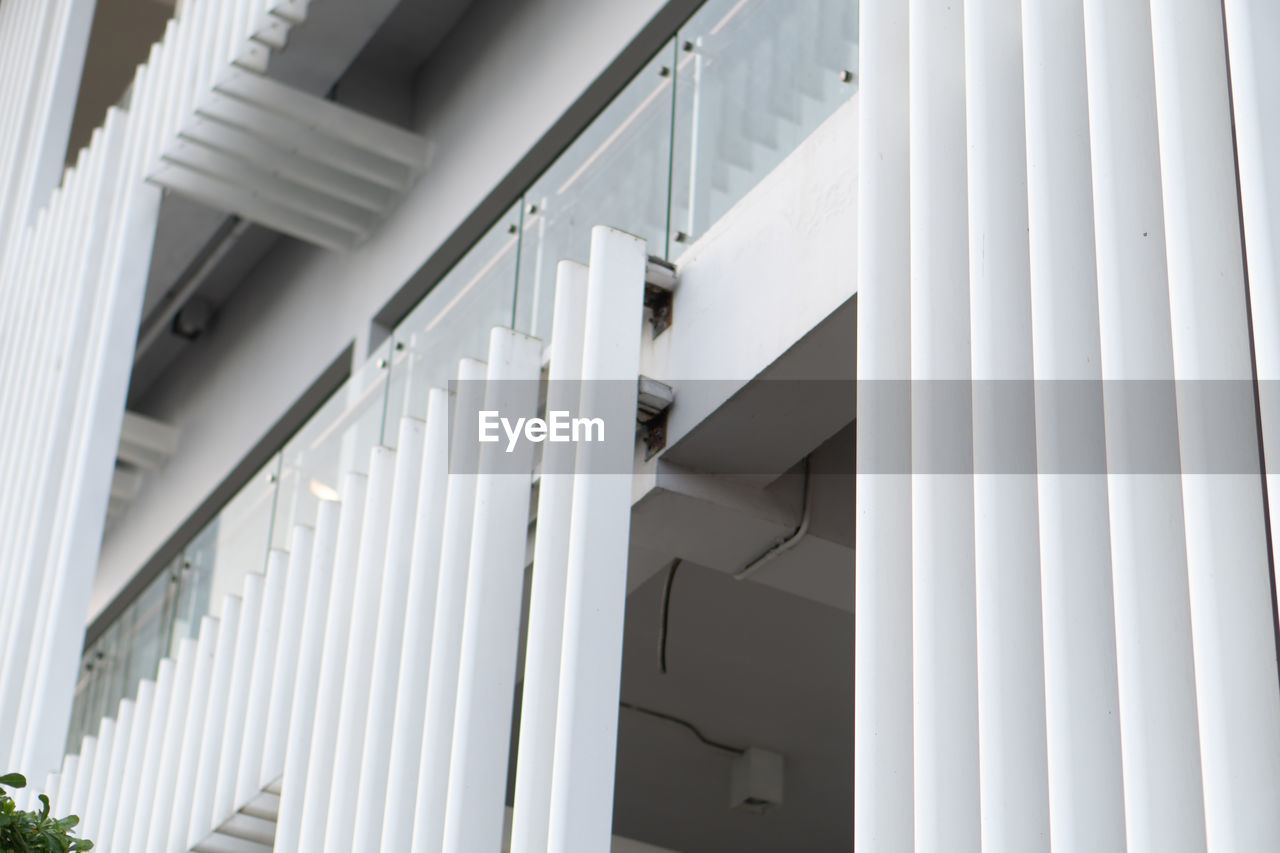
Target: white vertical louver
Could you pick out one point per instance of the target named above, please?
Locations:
(581, 807)
(201, 119)
(69, 302)
(398, 698)
(1080, 694)
(315, 686)
(531, 814)
(1013, 665)
(1110, 627)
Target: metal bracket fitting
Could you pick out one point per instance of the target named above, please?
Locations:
(653, 400)
(659, 285)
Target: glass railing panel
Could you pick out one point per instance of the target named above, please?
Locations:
(145, 631)
(235, 543)
(98, 679)
(754, 79)
(338, 439)
(454, 320)
(616, 173)
(195, 591)
(129, 651)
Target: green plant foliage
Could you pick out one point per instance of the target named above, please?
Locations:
(34, 832)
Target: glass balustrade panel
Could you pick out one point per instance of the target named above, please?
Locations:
(754, 79)
(454, 320)
(337, 440)
(616, 173)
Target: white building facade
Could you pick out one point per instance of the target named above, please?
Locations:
(931, 347)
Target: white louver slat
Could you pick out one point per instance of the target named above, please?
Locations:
(292, 625)
(368, 512)
(1133, 644)
(114, 833)
(1233, 632)
(397, 699)
(206, 777)
(318, 681)
(581, 808)
(432, 769)
(1011, 678)
(391, 818)
(81, 288)
(948, 781)
(180, 718)
(1081, 701)
(381, 595)
(101, 767)
(549, 583)
(132, 828)
(882, 724)
(99, 824)
(232, 737)
(331, 520)
(491, 618)
(249, 769)
(193, 736)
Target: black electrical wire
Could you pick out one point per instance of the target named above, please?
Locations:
(666, 615)
(688, 725)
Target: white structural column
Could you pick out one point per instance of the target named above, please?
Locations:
(418, 441)
(491, 617)
(550, 562)
(883, 788)
(1011, 689)
(336, 525)
(379, 616)
(391, 825)
(1232, 616)
(1082, 720)
(596, 588)
(215, 722)
(1253, 26)
(943, 617)
(1155, 677)
(238, 698)
(249, 769)
(354, 571)
(446, 638)
(292, 623)
(174, 840)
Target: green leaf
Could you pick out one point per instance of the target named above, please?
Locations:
(13, 780)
